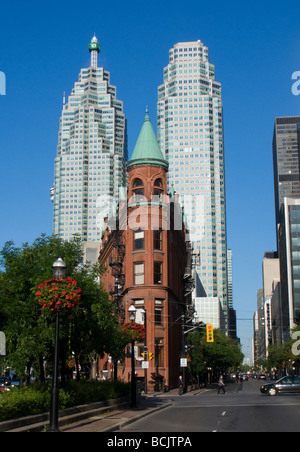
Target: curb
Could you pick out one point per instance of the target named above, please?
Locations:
(36, 423)
(120, 425)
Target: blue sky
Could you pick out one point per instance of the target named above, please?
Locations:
(255, 47)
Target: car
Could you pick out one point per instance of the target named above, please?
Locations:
(244, 377)
(262, 377)
(15, 383)
(286, 385)
(4, 388)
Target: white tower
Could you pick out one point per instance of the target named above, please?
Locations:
(91, 156)
(94, 48)
(190, 134)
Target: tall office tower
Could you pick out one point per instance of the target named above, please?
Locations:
(91, 156)
(232, 326)
(190, 134)
(286, 160)
(229, 275)
(289, 253)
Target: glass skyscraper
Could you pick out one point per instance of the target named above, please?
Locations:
(286, 160)
(190, 134)
(289, 253)
(286, 164)
(91, 154)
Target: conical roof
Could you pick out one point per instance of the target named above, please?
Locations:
(147, 150)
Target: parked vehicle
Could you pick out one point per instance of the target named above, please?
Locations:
(286, 385)
(3, 386)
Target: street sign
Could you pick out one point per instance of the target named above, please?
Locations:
(183, 362)
(145, 364)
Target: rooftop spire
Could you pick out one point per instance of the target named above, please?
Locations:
(147, 150)
(94, 48)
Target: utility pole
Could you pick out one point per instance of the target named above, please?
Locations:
(117, 272)
(145, 351)
(183, 350)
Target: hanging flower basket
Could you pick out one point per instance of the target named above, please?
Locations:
(72, 363)
(135, 331)
(58, 294)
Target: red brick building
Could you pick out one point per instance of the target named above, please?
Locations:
(146, 257)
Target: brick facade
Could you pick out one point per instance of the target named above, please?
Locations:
(150, 259)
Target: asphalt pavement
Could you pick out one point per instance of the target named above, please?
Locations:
(242, 409)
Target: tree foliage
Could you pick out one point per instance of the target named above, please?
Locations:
(92, 329)
(284, 356)
(224, 353)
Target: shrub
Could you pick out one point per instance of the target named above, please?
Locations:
(35, 399)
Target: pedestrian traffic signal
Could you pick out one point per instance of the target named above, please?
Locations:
(210, 333)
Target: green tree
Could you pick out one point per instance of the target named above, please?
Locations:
(277, 357)
(224, 353)
(29, 330)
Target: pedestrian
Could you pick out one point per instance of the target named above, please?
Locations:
(221, 385)
(180, 385)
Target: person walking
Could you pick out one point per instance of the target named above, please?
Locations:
(221, 385)
(180, 385)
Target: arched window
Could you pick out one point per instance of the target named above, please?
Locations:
(138, 187)
(158, 183)
(158, 187)
(138, 183)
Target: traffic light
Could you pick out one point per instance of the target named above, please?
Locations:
(210, 333)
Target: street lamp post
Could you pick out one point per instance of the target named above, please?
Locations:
(145, 349)
(59, 272)
(117, 298)
(132, 315)
(183, 348)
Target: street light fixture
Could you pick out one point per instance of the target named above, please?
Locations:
(132, 315)
(59, 272)
(59, 269)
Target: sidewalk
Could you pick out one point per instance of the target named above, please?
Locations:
(116, 419)
(108, 416)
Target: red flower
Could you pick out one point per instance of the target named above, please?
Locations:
(135, 331)
(64, 298)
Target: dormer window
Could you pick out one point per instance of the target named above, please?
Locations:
(158, 187)
(138, 188)
(138, 183)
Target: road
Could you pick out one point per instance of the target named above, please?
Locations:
(241, 409)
